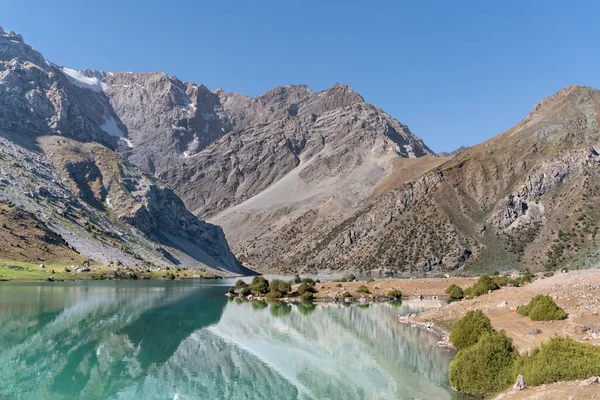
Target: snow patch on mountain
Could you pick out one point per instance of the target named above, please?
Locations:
(110, 126)
(78, 79)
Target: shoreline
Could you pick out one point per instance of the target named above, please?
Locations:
(15, 271)
(431, 327)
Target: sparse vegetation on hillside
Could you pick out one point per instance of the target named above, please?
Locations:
(558, 360)
(483, 286)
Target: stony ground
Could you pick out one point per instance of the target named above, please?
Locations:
(561, 390)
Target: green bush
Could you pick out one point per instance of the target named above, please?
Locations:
(350, 278)
(362, 289)
(514, 282)
(560, 359)
(501, 280)
(278, 285)
(307, 296)
(449, 289)
(370, 280)
(308, 281)
(274, 295)
(542, 308)
(245, 291)
(297, 279)
(346, 294)
(467, 330)
(231, 290)
(486, 367)
(483, 285)
(467, 292)
(305, 288)
(240, 284)
(456, 293)
(260, 285)
(526, 277)
(395, 294)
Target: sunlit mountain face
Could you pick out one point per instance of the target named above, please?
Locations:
(186, 341)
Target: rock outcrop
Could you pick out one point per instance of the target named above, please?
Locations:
(58, 136)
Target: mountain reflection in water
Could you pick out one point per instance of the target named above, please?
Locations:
(172, 340)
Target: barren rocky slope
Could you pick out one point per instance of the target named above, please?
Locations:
(526, 198)
(325, 181)
(258, 166)
(58, 166)
(299, 181)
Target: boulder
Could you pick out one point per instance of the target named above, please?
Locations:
(573, 327)
(534, 332)
(519, 384)
(589, 381)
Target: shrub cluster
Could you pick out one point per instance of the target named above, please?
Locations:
(362, 289)
(277, 288)
(542, 308)
(558, 360)
(485, 367)
(454, 293)
(487, 283)
(306, 287)
(467, 330)
(348, 278)
(395, 294)
(259, 285)
(487, 362)
(240, 284)
(307, 296)
(482, 286)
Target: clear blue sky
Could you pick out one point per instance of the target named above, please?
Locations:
(456, 72)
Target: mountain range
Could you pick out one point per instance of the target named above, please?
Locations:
(142, 168)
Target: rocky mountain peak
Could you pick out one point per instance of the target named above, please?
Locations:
(572, 93)
(13, 47)
(341, 90)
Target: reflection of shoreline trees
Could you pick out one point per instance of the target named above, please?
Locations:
(103, 339)
(406, 357)
(155, 342)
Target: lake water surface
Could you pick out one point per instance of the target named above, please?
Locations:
(186, 340)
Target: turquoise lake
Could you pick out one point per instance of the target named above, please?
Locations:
(186, 340)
